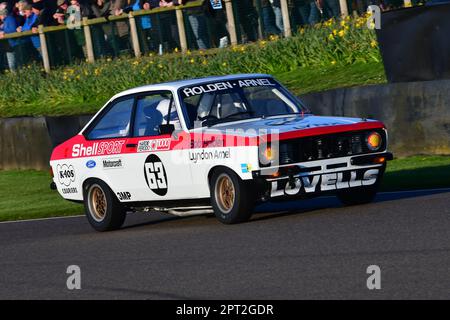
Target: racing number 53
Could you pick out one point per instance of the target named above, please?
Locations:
(155, 175)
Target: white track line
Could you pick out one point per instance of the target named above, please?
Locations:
(42, 219)
(82, 215)
(415, 191)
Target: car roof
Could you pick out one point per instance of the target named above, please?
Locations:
(175, 85)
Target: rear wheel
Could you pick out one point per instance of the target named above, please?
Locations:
(231, 198)
(103, 211)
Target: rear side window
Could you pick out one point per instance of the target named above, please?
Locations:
(115, 123)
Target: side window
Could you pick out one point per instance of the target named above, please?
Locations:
(115, 123)
(152, 111)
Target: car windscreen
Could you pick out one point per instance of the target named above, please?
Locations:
(216, 102)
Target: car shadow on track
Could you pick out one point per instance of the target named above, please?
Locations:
(307, 206)
(272, 210)
(156, 218)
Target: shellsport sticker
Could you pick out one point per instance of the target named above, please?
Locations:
(155, 175)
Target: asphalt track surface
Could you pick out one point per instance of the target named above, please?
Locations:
(313, 249)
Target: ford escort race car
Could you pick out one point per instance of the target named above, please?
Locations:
(221, 143)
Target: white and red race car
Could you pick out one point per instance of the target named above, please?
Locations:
(223, 142)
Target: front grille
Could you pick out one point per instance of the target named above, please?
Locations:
(327, 146)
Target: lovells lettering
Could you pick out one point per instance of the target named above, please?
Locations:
(322, 182)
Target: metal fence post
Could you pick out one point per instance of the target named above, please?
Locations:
(344, 8)
(134, 35)
(181, 30)
(88, 39)
(44, 49)
(286, 21)
(231, 23)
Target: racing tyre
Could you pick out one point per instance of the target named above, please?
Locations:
(231, 198)
(103, 210)
(359, 195)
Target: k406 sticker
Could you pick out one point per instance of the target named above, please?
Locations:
(66, 174)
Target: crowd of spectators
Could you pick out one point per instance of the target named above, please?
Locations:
(207, 24)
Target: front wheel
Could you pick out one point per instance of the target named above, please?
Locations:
(231, 198)
(358, 195)
(103, 211)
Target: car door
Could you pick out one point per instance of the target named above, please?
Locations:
(105, 153)
(160, 170)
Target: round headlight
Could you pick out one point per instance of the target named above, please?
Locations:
(374, 141)
(267, 154)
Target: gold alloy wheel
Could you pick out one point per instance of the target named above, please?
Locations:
(225, 193)
(97, 203)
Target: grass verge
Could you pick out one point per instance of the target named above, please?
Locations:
(309, 79)
(26, 194)
(418, 172)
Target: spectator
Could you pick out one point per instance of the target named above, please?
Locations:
(43, 13)
(168, 26)
(248, 18)
(60, 13)
(101, 33)
(309, 11)
(215, 10)
(83, 11)
(145, 29)
(268, 18)
(276, 7)
(332, 9)
(101, 8)
(9, 25)
(198, 25)
(166, 3)
(117, 7)
(19, 6)
(10, 4)
(30, 25)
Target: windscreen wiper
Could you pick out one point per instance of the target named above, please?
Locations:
(237, 114)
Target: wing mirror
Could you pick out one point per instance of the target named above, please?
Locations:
(166, 129)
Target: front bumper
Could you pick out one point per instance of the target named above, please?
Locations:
(317, 177)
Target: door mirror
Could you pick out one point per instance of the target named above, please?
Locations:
(166, 129)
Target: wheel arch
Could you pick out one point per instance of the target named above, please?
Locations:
(219, 167)
(89, 181)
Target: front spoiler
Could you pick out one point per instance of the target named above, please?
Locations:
(364, 160)
(369, 159)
